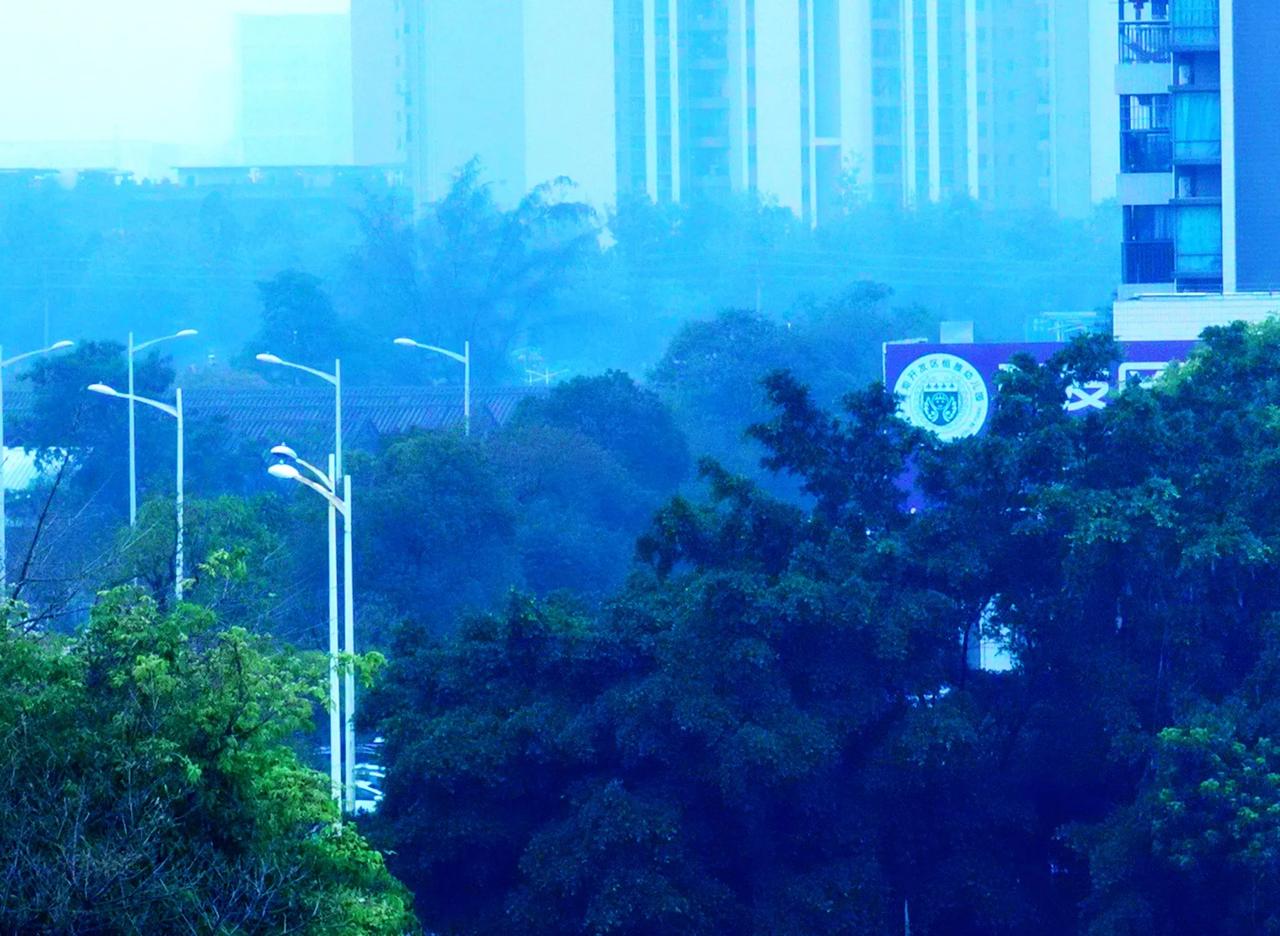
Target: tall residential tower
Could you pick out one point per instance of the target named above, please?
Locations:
(1199, 143)
(525, 85)
(802, 101)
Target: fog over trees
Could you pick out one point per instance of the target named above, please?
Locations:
(680, 638)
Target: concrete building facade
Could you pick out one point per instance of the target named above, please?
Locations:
(985, 99)
(294, 102)
(802, 101)
(512, 82)
(1199, 145)
(905, 100)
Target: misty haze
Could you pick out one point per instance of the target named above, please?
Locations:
(639, 467)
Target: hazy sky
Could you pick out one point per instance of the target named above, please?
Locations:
(159, 70)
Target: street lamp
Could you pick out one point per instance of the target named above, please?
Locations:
(336, 379)
(288, 473)
(546, 376)
(324, 485)
(464, 359)
(133, 453)
(176, 412)
(56, 346)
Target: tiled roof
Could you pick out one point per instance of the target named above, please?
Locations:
(294, 413)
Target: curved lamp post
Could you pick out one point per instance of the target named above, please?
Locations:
(56, 346)
(335, 711)
(464, 359)
(336, 380)
(133, 448)
(176, 412)
(325, 486)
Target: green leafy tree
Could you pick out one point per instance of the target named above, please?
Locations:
(435, 529)
(774, 726)
(150, 787)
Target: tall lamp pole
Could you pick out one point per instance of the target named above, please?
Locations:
(324, 486)
(57, 346)
(336, 380)
(342, 506)
(335, 712)
(464, 359)
(133, 448)
(176, 412)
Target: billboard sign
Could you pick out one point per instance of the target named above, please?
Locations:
(947, 389)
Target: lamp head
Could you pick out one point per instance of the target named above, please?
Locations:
(103, 389)
(283, 451)
(186, 333)
(284, 472)
(269, 359)
(60, 345)
(405, 342)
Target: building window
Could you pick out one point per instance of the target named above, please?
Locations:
(1197, 123)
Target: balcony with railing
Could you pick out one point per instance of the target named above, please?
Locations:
(1148, 261)
(1146, 151)
(1144, 43)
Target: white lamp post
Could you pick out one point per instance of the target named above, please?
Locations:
(341, 505)
(133, 452)
(335, 713)
(176, 412)
(57, 346)
(464, 359)
(336, 380)
(546, 376)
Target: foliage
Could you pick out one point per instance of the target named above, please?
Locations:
(149, 786)
(298, 322)
(472, 270)
(628, 421)
(236, 558)
(774, 728)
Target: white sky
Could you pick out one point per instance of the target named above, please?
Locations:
(99, 70)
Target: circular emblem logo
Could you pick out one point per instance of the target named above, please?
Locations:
(944, 394)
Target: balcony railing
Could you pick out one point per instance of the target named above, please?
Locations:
(1148, 261)
(1143, 43)
(1146, 151)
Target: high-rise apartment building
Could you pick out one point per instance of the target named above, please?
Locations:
(984, 99)
(800, 101)
(910, 100)
(294, 101)
(715, 96)
(1199, 143)
(525, 85)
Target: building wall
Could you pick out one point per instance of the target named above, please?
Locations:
(1257, 146)
(782, 101)
(294, 100)
(471, 85)
(524, 86)
(1073, 115)
(377, 73)
(677, 100)
(569, 115)
(1104, 115)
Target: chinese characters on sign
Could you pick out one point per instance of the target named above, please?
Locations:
(947, 388)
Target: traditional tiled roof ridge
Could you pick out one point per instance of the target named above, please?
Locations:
(288, 411)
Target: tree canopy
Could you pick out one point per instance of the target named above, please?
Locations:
(776, 725)
(150, 786)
